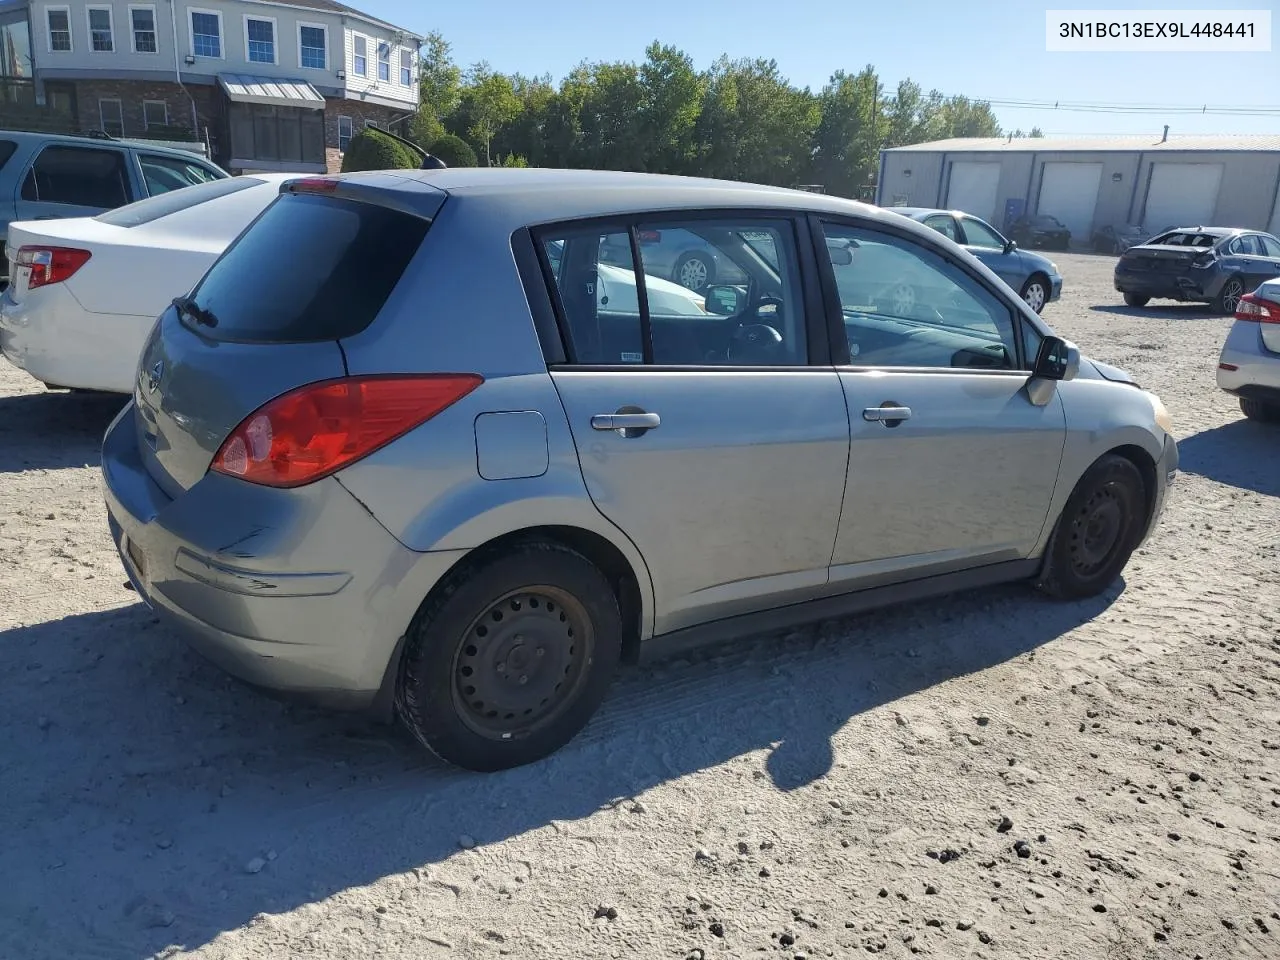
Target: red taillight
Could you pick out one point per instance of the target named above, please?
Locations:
(318, 429)
(1255, 308)
(50, 265)
(313, 185)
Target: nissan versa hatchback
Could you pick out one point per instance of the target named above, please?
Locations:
(408, 448)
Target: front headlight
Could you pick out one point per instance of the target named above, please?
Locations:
(1163, 420)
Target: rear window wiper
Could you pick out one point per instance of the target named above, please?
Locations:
(189, 308)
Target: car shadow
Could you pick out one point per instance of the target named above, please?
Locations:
(152, 801)
(1242, 454)
(1173, 311)
(51, 430)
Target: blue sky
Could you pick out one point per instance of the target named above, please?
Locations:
(989, 48)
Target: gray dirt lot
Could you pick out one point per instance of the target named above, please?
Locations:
(782, 798)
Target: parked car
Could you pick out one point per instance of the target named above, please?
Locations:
(1040, 232)
(45, 176)
(351, 471)
(1036, 279)
(1117, 238)
(678, 255)
(1216, 265)
(86, 290)
(1249, 367)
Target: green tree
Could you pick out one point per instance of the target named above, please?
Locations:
(440, 86)
(849, 136)
(670, 100)
(490, 102)
(611, 139)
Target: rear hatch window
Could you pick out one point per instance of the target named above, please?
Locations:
(311, 268)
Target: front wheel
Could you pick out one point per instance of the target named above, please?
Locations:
(1098, 531)
(1036, 294)
(1136, 300)
(512, 657)
(693, 271)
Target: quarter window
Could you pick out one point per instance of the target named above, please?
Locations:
(101, 35)
(206, 35)
(905, 306)
(620, 311)
(360, 56)
(313, 49)
(78, 176)
(59, 30)
(260, 35)
(143, 21)
(978, 234)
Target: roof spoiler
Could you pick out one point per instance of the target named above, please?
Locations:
(428, 161)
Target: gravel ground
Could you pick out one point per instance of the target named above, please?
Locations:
(991, 775)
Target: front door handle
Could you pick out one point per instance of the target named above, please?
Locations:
(890, 415)
(625, 422)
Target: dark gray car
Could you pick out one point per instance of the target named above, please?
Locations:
(47, 176)
(1216, 265)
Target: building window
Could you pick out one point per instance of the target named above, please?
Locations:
(406, 68)
(144, 29)
(313, 47)
(155, 113)
(206, 34)
(360, 64)
(260, 39)
(101, 31)
(112, 114)
(59, 30)
(345, 133)
(384, 62)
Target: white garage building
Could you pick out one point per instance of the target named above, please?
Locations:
(1089, 182)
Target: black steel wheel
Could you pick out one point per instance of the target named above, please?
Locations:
(510, 657)
(1098, 531)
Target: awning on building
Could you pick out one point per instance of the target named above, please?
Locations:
(269, 91)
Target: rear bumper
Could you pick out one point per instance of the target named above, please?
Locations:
(1172, 286)
(298, 591)
(1246, 367)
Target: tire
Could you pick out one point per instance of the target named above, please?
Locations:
(1136, 300)
(1098, 531)
(556, 609)
(1035, 292)
(1260, 410)
(1229, 296)
(694, 271)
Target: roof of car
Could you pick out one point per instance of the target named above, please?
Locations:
(27, 136)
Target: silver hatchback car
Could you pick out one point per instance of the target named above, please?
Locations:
(409, 446)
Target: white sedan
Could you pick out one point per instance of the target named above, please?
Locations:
(86, 291)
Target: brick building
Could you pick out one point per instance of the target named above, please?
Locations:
(269, 85)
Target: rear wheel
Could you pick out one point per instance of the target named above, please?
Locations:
(511, 659)
(1260, 410)
(1229, 296)
(1097, 532)
(1136, 300)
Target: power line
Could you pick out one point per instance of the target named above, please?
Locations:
(1129, 108)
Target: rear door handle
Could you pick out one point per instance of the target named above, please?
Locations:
(886, 414)
(625, 421)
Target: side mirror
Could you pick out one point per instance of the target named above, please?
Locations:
(1057, 360)
(1010, 246)
(724, 300)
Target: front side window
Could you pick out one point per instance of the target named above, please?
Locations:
(59, 30)
(384, 62)
(144, 29)
(978, 234)
(260, 37)
(78, 176)
(620, 311)
(206, 35)
(406, 68)
(360, 56)
(313, 47)
(903, 305)
(112, 114)
(101, 33)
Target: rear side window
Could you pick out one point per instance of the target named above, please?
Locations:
(310, 268)
(6, 151)
(80, 176)
(175, 201)
(164, 174)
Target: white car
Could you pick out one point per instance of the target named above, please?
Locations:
(1249, 366)
(86, 291)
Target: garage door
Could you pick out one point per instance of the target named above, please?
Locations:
(1069, 191)
(973, 188)
(1182, 195)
